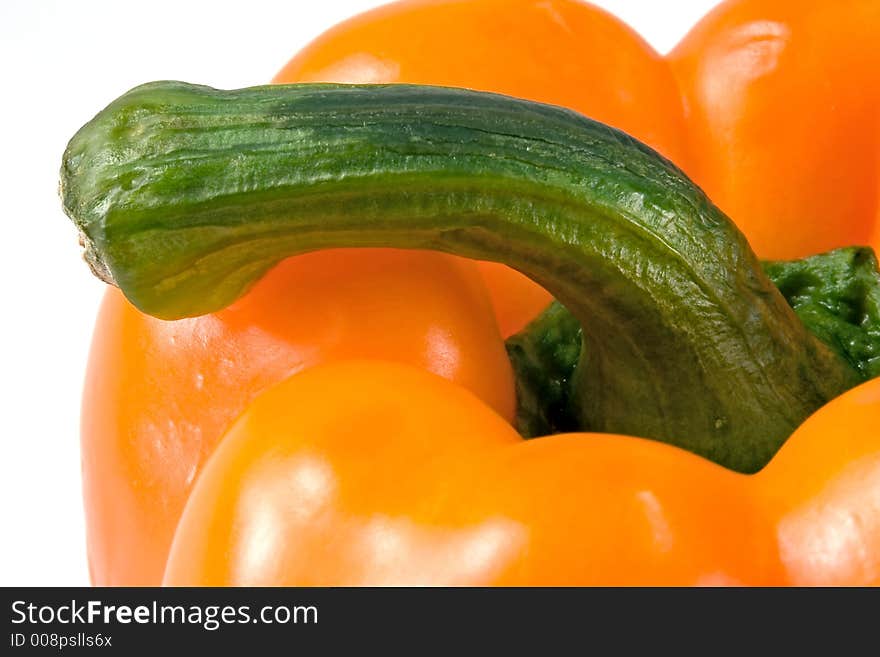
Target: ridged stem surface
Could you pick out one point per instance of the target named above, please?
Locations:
(186, 195)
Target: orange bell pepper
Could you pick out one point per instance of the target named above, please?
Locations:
(160, 395)
(431, 487)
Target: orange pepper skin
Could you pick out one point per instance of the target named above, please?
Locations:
(821, 492)
(334, 477)
(782, 102)
(563, 52)
(159, 395)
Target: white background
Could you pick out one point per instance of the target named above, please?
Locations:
(61, 63)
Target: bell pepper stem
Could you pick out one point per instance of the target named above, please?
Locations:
(186, 195)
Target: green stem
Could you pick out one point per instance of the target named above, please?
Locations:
(186, 195)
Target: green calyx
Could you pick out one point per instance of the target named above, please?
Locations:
(835, 294)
